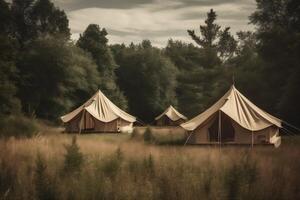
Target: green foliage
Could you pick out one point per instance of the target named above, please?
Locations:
(5, 17)
(147, 72)
(44, 186)
(134, 134)
(112, 164)
(148, 136)
(171, 138)
(240, 178)
(60, 74)
(119, 154)
(49, 20)
(8, 73)
(8, 175)
(94, 41)
(214, 41)
(17, 126)
(197, 87)
(33, 19)
(278, 31)
(149, 165)
(74, 159)
(203, 77)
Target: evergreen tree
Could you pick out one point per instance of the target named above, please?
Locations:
(218, 45)
(44, 186)
(73, 158)
(94, 41)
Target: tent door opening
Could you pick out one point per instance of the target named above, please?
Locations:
(88, 122)
(227, 130)
(166, 121)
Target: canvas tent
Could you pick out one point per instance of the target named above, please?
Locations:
(233, 119)
(98, 114)
(170, 117)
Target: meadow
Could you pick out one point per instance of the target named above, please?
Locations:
(122, 166)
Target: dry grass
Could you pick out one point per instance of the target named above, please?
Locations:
(117, 167)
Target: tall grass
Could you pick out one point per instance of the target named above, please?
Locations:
(128, 169)
(17, 126)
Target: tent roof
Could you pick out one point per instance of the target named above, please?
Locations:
(239, 109)
(100, 107)
(172, 114)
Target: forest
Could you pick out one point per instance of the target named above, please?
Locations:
(44, 74)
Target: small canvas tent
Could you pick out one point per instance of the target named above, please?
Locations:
(170, 117)
(98, 114)
(233, 119)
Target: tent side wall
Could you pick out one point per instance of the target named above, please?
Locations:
(201, 133)
(165, 121)
(241, 135)
(108, 127)
(73, 125)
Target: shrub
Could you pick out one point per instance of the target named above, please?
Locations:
(44, 186)
(148, 136)
(112, 165)
(73, 158)
(17, 126)
(8, 176)
(134, 134)
(149, 164)
(119, 154)
(241, 177)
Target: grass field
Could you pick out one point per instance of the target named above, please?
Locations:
(115, 166)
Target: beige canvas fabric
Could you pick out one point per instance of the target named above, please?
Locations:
(172, 114)
(101, 108)
(239, 109)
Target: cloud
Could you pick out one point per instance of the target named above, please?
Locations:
(158, 20)
(70, 5)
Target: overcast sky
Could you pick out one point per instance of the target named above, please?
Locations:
(158, 20)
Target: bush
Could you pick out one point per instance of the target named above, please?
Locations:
(44, 186)
(148, 136)
(73, 158)
(171, 139)
(112, 165)
(134, 134)
(18, 126)
(149, 165)
(240, 178)
(8, 175)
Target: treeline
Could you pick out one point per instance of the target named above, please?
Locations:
(45, 74)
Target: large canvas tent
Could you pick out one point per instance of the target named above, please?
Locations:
(98, 114)
(170, 117)
(233, 119)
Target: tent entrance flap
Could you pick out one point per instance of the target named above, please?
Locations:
(227, 130)
(88, 121)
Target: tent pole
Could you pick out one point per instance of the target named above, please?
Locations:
(252, 143)
(81, 120)
(219, 129)
(188, 138)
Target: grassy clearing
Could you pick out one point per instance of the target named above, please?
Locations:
(118, 167)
